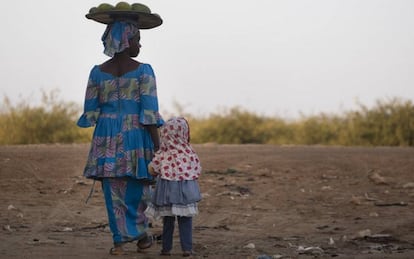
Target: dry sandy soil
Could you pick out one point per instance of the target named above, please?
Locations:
(259, 201)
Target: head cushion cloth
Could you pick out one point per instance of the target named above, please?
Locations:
(117, 35)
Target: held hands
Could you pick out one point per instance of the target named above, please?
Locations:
(152, 171)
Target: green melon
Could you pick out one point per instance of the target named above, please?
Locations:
(105, 7)
(140, 8)
(123, 6)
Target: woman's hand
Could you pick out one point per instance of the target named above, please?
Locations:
(152, 171)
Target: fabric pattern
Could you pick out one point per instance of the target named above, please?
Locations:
(125, 208)
(177, 191)
(176, 160)
(117, 35)
(119, 107)
(174, 198)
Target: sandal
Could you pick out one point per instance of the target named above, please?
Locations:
(187, 253)
(117, 250)
(165, 253)
(145, 242)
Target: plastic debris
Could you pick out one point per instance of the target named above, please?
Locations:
(7, 228)
(11, 207)
(377, 178)
(311, 250)
(67, 229)
(250, 246)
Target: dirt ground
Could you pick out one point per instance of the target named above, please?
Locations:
(259, 201)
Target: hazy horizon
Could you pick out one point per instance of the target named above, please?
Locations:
(272, 57)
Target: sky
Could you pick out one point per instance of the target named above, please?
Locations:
(284, 58)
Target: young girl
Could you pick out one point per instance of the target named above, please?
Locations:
(177, 192)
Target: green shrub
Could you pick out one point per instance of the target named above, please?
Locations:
(53, 121)
(388, 123)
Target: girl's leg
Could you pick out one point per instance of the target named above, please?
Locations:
(185, 225)
(167, 233)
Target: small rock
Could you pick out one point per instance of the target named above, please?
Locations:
(326, 188)
(7, 228)
(356, 200)
(313, 250)
(364, 233)
(80, 182)
(408, 185)
(377, 178)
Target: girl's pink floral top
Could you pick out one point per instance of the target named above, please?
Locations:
(176, 160)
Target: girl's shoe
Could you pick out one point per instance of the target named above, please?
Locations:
(188, 253)
(167, 253)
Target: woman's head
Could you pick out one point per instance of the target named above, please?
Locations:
(120, 36)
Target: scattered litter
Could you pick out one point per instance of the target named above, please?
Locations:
(250, 246)
(380, 238)
(311, 250)
(11, 207)
(356, 200)
(377, 178)
(35, 241)
(230, 193)
(331, 241)
(264, 257)
(67, 229)
(369, 198)
(373, 214)
(81, 182)
(364, 233)
(401, 203)
(66, 191)
(19, 215)
(326, 188)
(325, 177)
(408, 185)
(7, 228)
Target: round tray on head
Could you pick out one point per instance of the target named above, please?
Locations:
(144, 20)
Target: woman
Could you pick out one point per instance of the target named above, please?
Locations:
(121, 102)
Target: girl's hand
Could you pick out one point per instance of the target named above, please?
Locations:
(152, 171)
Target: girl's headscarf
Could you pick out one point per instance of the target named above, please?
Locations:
(176, 160)
(117, 35)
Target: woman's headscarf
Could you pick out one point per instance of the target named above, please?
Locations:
(117, 35)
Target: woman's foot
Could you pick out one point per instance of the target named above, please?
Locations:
(117, 250)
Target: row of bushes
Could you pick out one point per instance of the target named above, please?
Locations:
(53, 121)
(388, 123)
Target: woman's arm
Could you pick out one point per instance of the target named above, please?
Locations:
(153, 130)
